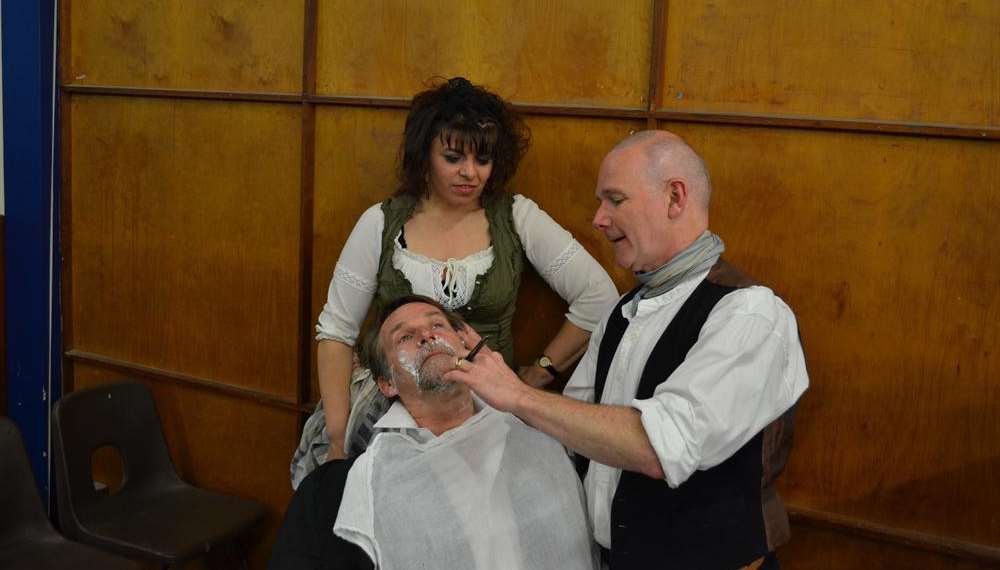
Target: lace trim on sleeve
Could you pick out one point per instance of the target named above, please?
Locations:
(339, 338)
(562, 259)
(348, 277)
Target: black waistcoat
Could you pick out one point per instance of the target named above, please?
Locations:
(723, 517)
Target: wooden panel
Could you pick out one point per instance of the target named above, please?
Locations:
(223, 444)
(196, 44)
(560, 173)
(186, 242)
(355, 167)
(886, 248)
(185, 237)
(899, 60)
(823, 548)
(567, 51)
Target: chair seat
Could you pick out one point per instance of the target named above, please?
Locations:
(169, 526)
(53, 552)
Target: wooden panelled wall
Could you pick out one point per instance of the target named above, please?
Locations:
(216, 154)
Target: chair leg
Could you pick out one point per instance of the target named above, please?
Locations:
(244, 554)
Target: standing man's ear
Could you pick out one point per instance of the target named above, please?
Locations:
(677, 194)
(387, 387)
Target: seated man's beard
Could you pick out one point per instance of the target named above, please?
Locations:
(428, 375)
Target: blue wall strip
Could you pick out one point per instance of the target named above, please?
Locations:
(28, 60)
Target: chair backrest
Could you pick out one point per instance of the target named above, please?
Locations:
(122, 416)
(23, 513)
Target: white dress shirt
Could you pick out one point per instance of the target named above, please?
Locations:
(744, 371)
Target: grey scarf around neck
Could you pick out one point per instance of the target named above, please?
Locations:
(697, 257)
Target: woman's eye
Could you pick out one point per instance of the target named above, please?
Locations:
(484, 160)
(452, 158)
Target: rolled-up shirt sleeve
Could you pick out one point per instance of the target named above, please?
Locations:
(354, 280)
(564, 264)
(744, 371)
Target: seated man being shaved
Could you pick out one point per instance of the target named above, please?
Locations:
(447, 482)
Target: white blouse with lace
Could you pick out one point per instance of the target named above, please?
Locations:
(558, 258)
(451, 282)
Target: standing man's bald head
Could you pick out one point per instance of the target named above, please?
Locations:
(668, 157)
(654, 192)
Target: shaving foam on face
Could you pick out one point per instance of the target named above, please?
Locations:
(413, 362)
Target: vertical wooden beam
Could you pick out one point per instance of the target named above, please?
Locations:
(308, 148)
(656, 55)
(66, 196)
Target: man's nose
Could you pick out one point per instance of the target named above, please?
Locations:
(601, 219)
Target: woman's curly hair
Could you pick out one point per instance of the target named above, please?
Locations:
(461, 114)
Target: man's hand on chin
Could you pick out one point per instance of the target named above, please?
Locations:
(491, 379)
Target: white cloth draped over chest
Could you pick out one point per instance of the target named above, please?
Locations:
(491, 494)
(560, 260)
(745, 370)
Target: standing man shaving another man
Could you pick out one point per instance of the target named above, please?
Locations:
(697, 372)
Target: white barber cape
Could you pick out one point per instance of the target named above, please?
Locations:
(492, 493)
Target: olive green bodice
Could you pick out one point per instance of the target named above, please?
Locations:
(491, 309)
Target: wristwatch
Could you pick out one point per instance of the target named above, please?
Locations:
(546, 363)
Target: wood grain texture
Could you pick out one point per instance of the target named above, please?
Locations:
(897, 536)
(566, 51)
(186, 229)
(812, 548)
(560, 174)
(886, 249)
(65, 218)
(355, 168)
(185, 237)
(221, 444)
(922, 61)
(307, 183)
(203, 44)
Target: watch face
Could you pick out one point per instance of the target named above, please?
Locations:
(544, 361)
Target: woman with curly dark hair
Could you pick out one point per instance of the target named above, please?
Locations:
(454, 233)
